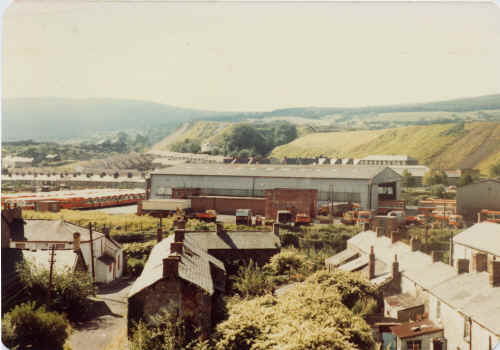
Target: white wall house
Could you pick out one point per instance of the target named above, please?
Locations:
(43, 234)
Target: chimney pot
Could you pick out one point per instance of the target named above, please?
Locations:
(436, 256)
(159, 234)
(220, 227)
(479, 262)
(276, 229)
(179, 235)
(171, 266)
(415, 244)
(494, 272)
(371, 264)
(76, 241)
(462, 265)
(176, 247)
(395, 268)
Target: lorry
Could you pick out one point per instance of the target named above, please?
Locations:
(349, 217)
(284, 217)
(244, 217)
(208, 215)
(386, 206)
(489, 215)
(162, 207)
(302, 219)
(364, 217)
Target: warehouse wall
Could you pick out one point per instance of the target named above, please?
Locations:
(474, 197)
(343, 190)
(228, 205)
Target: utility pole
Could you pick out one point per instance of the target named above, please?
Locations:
(92, 252)
(51, 270)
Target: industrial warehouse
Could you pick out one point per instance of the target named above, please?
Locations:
(365, 185)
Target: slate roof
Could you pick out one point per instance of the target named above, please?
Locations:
(236, 240)
(468, 293)
(363, 172)
(388, 157)
(414, 329)
(64, 259)
(56, 230)
(194, 266)
(484, 236)
(342, 257)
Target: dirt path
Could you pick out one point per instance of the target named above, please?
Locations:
(108, 318)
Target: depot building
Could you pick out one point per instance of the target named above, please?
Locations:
(366, 185)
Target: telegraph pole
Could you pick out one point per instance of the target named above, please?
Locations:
(92, 252)
(52, 260)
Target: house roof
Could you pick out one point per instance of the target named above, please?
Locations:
(479, 302)
(414, 329)
(194, 266)
(63, 259)
(342, 257)
(362, 172)
(404, 301)
(236, 240)
(56, 230)
(484, 236)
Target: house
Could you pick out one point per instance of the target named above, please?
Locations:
(479, 243)
(234, 247)
(43, 234)
(474, 197)
(181, 277)
(64, 260)
(463, 300)
(421, 335)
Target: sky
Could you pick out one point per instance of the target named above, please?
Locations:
(252, 56)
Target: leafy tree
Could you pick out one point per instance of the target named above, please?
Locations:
(187, 146)
(408, 179)
(494, 170)
(466, 178)
(251, 281)
(70, 291)
(438, 191)
(29, 327)
(435, 177)
(245, 136)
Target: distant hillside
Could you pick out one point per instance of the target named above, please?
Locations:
(454, 145)
(62, 119)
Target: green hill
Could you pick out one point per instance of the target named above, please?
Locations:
(454, 145)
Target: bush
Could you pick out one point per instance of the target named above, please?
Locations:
(286, 262)
(163, 332)
(70, 290)
(26, 326)
(251, 280)
(135, 266)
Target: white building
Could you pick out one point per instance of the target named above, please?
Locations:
(482, 238)
(43, 234)
(17, 162)
(462, 301)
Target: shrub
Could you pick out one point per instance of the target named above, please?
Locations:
(287, 261)
(251, 280)
(135, 266)
(69, 293)
(26, 326)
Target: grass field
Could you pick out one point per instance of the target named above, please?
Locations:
(477, 145)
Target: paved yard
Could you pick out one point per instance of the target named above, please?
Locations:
(108, 318)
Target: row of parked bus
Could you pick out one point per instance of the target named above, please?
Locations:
(82, 199)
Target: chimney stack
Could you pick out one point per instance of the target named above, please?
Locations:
(371, 264)
(180, 224)
(159, 234)
(394, 237)
(494, 271)
(366, 226)
(179, 236)
(106, 230)
(76, 241)
(276, 229)
(220, 227)
(380, 231)
(176, 247)
(414, 244)
(462, 266)
(395, 268)
(436, 256)
(479, 262)
(171, 266)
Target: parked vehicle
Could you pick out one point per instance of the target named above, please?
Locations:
(400, 215)
(302, 219)
(349, 217)
(490, 216)
(244, 217)
(364, 217)
(284, 217)
(209, 215)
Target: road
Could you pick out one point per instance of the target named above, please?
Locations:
(108, 319)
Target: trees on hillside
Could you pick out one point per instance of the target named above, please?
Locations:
(435, 177)
(494, 170)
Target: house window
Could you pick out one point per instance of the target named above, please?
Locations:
(438, 309)
(110, 267)
(414, 344)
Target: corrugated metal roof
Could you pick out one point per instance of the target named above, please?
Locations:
(64, 259)
(55, 230)
(401, 157)
(469, 293)
(414, 170)
(484, 236)
(364, 172)
(414, 329)
(194, 266)
(236, 240)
